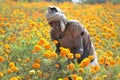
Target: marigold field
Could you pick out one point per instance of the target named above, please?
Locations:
(27, 53)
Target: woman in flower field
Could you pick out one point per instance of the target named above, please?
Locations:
(70, 34)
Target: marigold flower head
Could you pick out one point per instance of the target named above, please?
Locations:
(55, 42)
(1, 74)
(36, 65)
(104, 76)
(91, 57)
(57, 65)
(63, 52)
(70, 56)
(37, 60)
(101, 60)
(15, 69)
(9, 71)
(81, 70)
(85, 62)
(74, 76)
(37, 47)
(47, 46)
(77, 55)
(41, 41)
(31, 72)
(60, 79)
(112, 62)
(47, 55)
(70, 66)
(65, 79)
(11, 64)
(13, 78)
(79, 78)
(2, 59)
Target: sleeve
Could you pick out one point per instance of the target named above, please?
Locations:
(77, 29)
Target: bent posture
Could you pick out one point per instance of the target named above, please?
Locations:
(70, 34)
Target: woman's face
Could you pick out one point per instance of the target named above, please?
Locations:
(55, 25)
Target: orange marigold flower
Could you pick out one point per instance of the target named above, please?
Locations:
(77, 55)
(70, 66)
(47, 46)
(74, 76)
(55, 42)
(63, 52)
(41, 41)
(85, 62)
(91, 57)
(1, 74)
(9, 71)
(112, 62)
(101, 60)
(13, 78)
(15, 69)
(47, 55)
(11, 64)
(65, 79)
(70, 56)
(2, 59)
(36, 65)
(37, 60)
(37, 47)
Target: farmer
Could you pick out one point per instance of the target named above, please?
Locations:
(70, 34)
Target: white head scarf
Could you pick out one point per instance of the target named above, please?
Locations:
(58, 15)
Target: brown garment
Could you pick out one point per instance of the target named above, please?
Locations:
(76, 38)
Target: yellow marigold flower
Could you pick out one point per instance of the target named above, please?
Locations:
(101, 60)
(118, 75)
(8, 24)
(97, 78)
(27, 59)
(60, 79)
(1, 74)
(47, 46)
(31, 72)
(79, 78)
(54, 55)
(74, 76)
(104, 76)
(15, 69)
(70, 66)
(41, 41)
(96, 68)
(70, 56)
(6, 46)
(55, 42)
(109, 53)
(91, 57)
(93, 71)
(36, 65)
(77, 55)
(81, 70)
(13, 78)
(2, 59)
(11, 64)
